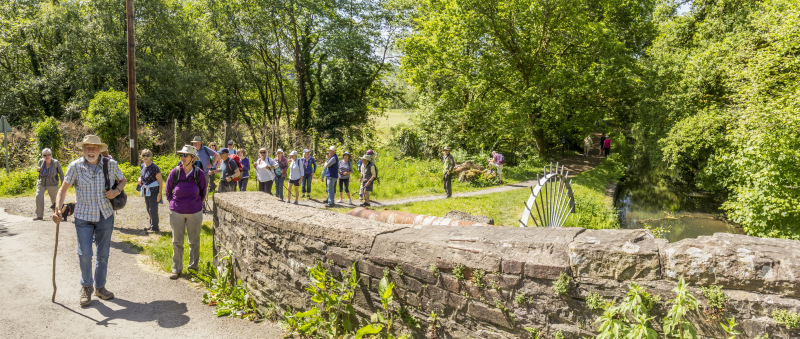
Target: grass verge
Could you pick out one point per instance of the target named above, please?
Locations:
(158, 249)
(594, 208)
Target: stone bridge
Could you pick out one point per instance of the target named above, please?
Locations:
(274, 242)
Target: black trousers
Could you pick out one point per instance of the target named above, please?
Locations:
(447, 181)
(265, 186)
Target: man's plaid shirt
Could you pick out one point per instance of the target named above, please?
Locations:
(91, 201)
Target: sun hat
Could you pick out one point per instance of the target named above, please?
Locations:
(188, 149)
(370, 152)
(346, 153)
(262, 149)
(92, 140)
(230, 142)
(224, 150)
(197, 139)
(446, 148)
(306, 150)
(367, 157)
(280, 150)
(293, 153)
(332, 148)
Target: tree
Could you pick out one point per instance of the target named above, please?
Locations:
(517, 71)
(108, 116)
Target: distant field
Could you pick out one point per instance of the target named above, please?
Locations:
(394, 117)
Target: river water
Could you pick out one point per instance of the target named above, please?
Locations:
(646, 201)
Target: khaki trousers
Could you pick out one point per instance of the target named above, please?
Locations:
(40, 189)
(182, 224)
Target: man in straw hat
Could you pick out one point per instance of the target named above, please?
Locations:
(447, 178)
(94, 216)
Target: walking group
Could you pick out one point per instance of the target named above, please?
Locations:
(98, 181)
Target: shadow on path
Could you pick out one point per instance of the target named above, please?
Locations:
(167, 313)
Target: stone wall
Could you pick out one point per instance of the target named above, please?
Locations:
(274, 242)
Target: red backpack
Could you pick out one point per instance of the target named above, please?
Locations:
(238, 163)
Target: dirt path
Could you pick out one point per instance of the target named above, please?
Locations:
(147, 303)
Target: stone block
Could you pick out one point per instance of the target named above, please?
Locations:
(483, 312)
(512, 266)
(615, 254)
(421, 274)
(736, 262)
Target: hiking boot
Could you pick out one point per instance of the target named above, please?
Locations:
(86, 295)
(175, 275)
(103, 293)
(295, 201)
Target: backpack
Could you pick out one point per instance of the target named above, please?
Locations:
(195, 178)
(502, 159)
(607, 143)
(120, 200)
(238, 163)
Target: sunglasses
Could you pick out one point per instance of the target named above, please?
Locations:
(263, 152)
(48, 155)
(146, 156)
(185, 155)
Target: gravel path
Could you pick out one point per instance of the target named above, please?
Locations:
(147, 302)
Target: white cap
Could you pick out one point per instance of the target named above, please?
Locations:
(280, 150)
(332, 148)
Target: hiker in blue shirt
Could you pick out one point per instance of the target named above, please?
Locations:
(331, 175)
(309, 168)
(208, 158)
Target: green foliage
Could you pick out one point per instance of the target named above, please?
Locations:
(229, 296)
(558, 335)
(789, 319)
(716, 298)
(676, 324)
(333, 315)
(730, 328)
(18, 182)
(521, 298)
(595, 302)
(399, 269)
(108, 116)
(561, 285)
(534, 333)
(482, 87)
(48, 136)
(435, 270)
(477, 278)
(458, 272)
(433, 326)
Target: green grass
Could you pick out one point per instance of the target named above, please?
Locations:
(593, 207)
(159, 249)
(393, 118)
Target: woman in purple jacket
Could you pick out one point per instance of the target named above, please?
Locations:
(185, 191)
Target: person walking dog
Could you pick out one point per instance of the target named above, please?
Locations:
(50, 177)
(94, 215)
(185, 191)
(447, 171)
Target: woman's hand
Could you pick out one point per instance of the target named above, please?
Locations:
(159, 196)
(139, 181)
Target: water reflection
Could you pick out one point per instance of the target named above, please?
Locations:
(647, 201)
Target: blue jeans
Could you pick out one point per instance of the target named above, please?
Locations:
(331, 189)
(243, 184)
(306, 180)
(279, 187)
(101, 232)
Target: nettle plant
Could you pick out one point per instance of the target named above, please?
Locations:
(632, 319)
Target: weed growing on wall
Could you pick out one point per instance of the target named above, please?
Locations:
(477, 278)
(521, 298)
(730, 328)
(717, 301)
(675, 323)
(789, 319)
(229, 296)
(595, 302)
(561, 285)
(534, 333)
(458, 272)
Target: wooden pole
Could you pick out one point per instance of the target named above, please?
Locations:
(55, 251)
(132, 133)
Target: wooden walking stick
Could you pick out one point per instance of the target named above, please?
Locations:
(55, 251)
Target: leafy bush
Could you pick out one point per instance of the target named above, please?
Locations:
(108, 116)
(48, 135)
(595, 302)
(229, 296)
(786, 318)
(561, 285)
(18, 182)
(716, 298)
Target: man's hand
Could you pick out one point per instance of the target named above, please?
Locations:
(57, 215)
(228, 179)
(111, 194)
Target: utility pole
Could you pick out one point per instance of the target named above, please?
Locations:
(132, 133)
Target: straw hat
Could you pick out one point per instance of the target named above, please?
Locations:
(188, 149)
(446, 148)
(92, 140)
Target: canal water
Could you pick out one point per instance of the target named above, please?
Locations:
(647, 201)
